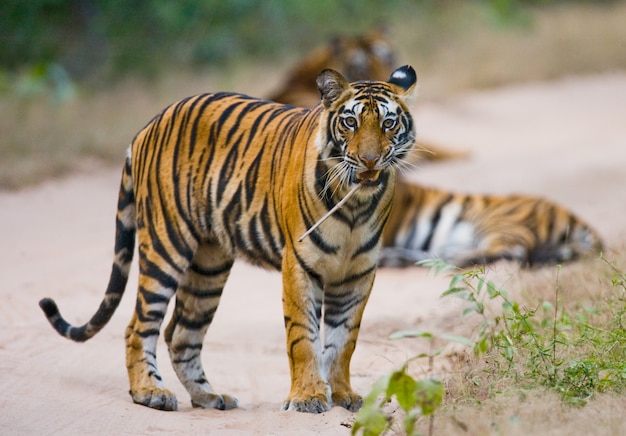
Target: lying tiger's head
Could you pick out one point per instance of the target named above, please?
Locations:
(367, 56)
(368, 127)
(363, 57)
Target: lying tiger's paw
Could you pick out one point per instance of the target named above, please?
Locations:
(309, 404)
(155, 398)
(214, 401)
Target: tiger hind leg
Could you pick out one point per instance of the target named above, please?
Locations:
(197, 299)
(160, 272)
(146, 385)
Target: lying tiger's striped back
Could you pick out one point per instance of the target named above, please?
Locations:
(466, 229)
(220, 176)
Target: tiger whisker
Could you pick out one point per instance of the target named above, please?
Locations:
(331, 175)
(341, 173)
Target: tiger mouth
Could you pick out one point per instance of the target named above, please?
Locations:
(369, 177)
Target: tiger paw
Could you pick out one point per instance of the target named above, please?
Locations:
(155, 398)
(348, 400)
(214, 401)
(310, 404)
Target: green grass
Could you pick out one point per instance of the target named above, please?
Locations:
(547, 336)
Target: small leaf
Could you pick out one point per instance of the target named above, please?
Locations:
(403, 386)
(379, 387)
(429, 395)
(452, 291)
(469, 310)
(547, 306)
(411, 334)
(372, 420)
(480, 307)
(460, 339)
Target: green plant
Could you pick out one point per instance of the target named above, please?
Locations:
(415, 397)
(573, 351)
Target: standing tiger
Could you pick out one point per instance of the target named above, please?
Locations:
(220, 176)
(475, 229)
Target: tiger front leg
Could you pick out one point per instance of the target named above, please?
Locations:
(302, 303)
(343, 309)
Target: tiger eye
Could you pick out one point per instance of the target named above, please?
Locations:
(349, 122)
(389, 123)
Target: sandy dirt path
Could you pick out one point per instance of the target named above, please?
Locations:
(564, 140)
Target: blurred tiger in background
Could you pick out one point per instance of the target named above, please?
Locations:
(427, 222)
(476, 229)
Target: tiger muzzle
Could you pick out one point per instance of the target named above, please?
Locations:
(370, 176)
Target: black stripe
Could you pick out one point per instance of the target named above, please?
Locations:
(153, 271)
(231, 216)
(315, 276)
(199, 324)
(354, 277)
(236, 125)
(258, 249)
(157, 243)
(211, 271)
(370, 244)
(338, 313)
(434, 222)
(266, 225)
(252, 176)
(227, 171)
(314, 236)
(202, 293)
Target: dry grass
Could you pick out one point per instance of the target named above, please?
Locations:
(554, 41)
(537, 412)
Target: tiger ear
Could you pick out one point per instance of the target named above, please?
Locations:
(405, 78)
(331, 85)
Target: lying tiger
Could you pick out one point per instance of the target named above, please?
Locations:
(219, 176)
(476, 229)
(427, 222)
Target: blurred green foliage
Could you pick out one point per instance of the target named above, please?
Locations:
(104, 38)
(120, 36)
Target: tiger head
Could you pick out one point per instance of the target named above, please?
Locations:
(366, 129)
(367, 56)
(363, 57)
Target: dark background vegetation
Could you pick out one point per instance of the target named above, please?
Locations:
(91, 39)
(78, 78)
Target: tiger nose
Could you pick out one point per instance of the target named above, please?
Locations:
(369, 160)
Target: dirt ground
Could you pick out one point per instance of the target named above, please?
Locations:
(564, 140)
